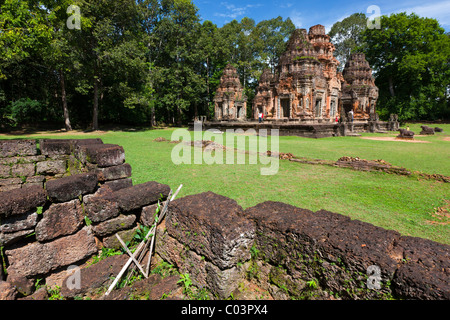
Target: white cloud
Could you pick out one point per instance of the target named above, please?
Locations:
(234, 12)
(439, 11)
(296, 18)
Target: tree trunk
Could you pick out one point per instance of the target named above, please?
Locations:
(67, 124)
(153, 118)
(391, 87)
(95, 111)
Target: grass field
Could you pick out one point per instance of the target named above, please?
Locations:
(400, 203)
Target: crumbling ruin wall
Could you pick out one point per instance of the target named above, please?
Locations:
(75, 209)
(297, 253)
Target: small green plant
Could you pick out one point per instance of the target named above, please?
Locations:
(254, 252)
(55, 293)
(312, 284)
(186, 281)
(39, 210)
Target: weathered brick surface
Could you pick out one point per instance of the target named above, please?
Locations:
(217, 236)
(338, 252)
(51, 167)
(104, 155)
(111, 226)
(114, 173)
(101, 206)
(23, 170)
(64, 146)
(71, 187)
(425, 270)
(95, 276)
(60, 219)
(116, 185)
(41, 258)
(11, 148)
(141, 195)
(21, 201)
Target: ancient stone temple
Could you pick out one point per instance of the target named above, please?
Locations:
(230, 101)
(306, 84)
(359, 92)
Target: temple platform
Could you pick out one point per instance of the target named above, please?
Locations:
(301, 129)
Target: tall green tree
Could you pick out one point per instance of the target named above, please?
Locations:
(410, 56)
(346, 35)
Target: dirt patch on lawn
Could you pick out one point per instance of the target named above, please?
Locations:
(393, 139)
(441, 215)
(446, 139)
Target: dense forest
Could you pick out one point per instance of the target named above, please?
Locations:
(81, 63)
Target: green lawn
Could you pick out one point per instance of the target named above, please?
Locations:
(394, 202)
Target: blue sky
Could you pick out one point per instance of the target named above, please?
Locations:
(305, 14)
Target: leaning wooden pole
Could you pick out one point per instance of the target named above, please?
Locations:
(140, 247)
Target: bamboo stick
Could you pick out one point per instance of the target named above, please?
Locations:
(139, 248)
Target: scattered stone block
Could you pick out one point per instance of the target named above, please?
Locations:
(437, 129)
(21, 201)
(60, 219)
(11, 148)
(41, 258)
(427, 130)
(71, 187)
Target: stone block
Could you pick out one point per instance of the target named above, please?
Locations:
(343, 249)
(5, 171)
(424, 271)
(104, 155)
(114, 225)
(23, 170)
(7, 239)
(141, 195)
(41, 258)
(36, 180)
(51, 167)
(120, 184)
(11, 148)
(69, 188)
(21, 201)
(148, 214)
(114, 173)
(101, 206)
(111, 242)
(213, 226)
(60, 219)
(18, 223)
(53, 147)
(95, 276)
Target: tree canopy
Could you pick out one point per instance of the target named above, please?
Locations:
(144, 62)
